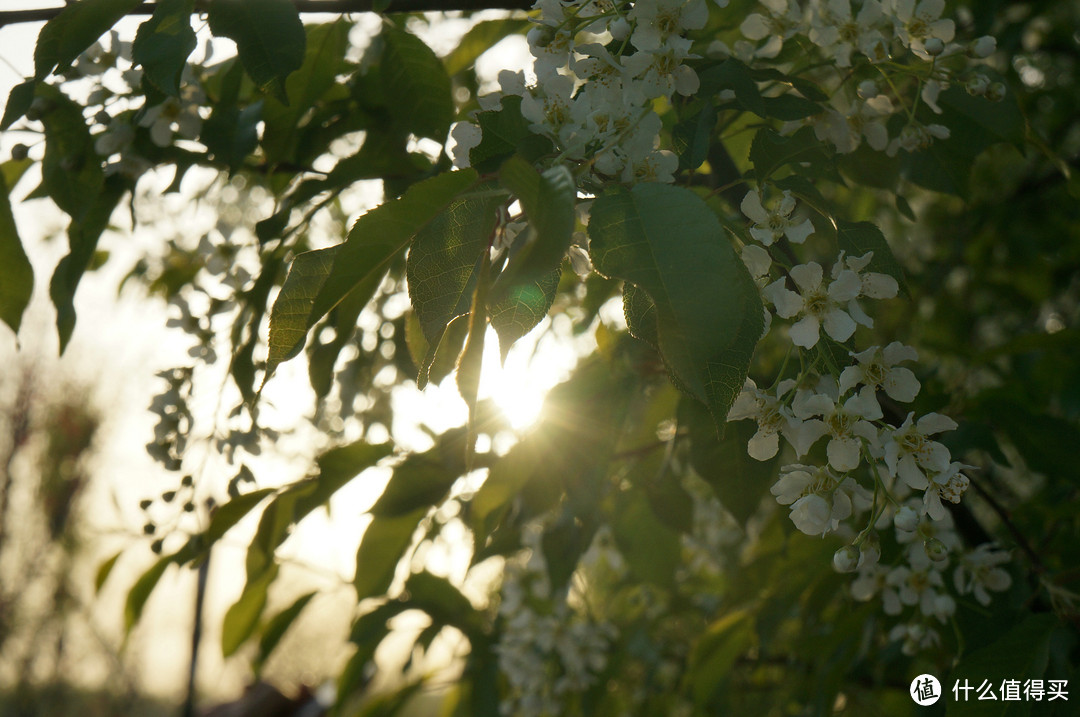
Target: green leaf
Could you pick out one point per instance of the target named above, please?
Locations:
(480, 38)
(382, 233)
(423, 479)
(414, 76)
(548, 201)
(442, 601)
(506, 133)
(709, 313)
(692, 137)
(140, 591)
(324, 60)
(735, 76)
(652, 549)
(291, 314)
(242, 617)
(104, 570)
(67, 35)
(231, 132)
(337, 467)
(770, 151)
(16, 273)
(870, 167)
(1022, 653)
(524, 307)
(472, 356)
(19, 101)
(70, 170)
(857, 238)
(805, 190)
(739, 481)
(163, 44)
(83, 237)
(277, 626)
(640, 314)
(229, 514)
(715, 652)
(444, 258)
(385, 541)
(790, 108)
(343, 318)
(269, 39)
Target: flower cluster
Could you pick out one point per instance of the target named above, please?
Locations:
(547, 650)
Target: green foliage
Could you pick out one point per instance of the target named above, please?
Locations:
(269, 39)
(415, 77)
(16, 274)
(163, 44)
(708, 313)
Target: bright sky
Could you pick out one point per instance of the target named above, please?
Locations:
(119, 345)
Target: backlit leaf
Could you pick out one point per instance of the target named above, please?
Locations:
(505, 133)
(290, 317)
(414, 76)
(67, 35)
(524, 307)
(242, 617)
(384, 542)
(140, 591)
(277, 626)
(16, 273)
(709, 314)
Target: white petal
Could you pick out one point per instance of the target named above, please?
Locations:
(797, 233)
(802, 435)
(845, 286)
(839, 325)
(935, 423)
(806, 332)
(843, 454)
(879, 286)
(755, 27)
(787, 302)
(763, 446)
(901, 385)
(909, 472)
(756, 259)
(807, 276)
(763, 235)
(810, 514)
(751, 207)
(850, 377)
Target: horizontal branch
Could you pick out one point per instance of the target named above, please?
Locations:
(11, 17)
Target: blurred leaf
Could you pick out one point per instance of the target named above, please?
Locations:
(524, 307)
(18, 102)
(734, 76)
(269, 39)
(563, 543)
(443, 602)
(70, 170)
(140, 591)
(709, 314)
(1021, 654)
(652, 550)
(16, 273)
(548, 201)
(423, 479)
(242, 617)
(337, 467)
(67, 35)
(480, 38)
(414, 76)
(163, 44)
(714, 654)
(231, 133)
(385, 541)
(506, 133)
(83, 235)
(277, 626)
(229, 514)
(324, 60)
(692, 137)
(104, 570)
(472, 356)
(1046, 442)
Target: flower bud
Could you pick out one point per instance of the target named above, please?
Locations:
(846, 559)
(977, 85)
(936, 550)
(868, 89)
(906, 519)
(995, 92)
(934, 47)
(983, 46)
(20, 152)
(620, 29)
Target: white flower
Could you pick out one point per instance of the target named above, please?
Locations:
(771, 416)
(817, 498)
(916, 24)
(466, 135)
(771, 224)
(179, 115)
(838, 33)
(662, 71)
(816, 303)
(915, 137)
(915, 637)
(909, 452)
(984, 46)
(875, 369)
(978, 572)
(782, 22)
(657, 20)
(117, 137)
(847, 129)
(846, 424)
(950, 485)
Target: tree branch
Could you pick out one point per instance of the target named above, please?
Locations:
(11, 17)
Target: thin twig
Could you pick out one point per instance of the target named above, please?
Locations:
(11, 17)
(1002, 513)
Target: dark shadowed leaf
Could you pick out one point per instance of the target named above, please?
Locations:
(414, 76)
(857, 238)
(16, 273)
(277, 626)
(242, 617)
(382, 546)
(163, 44)
(269, 38)
(770, 151)
(140, 591)
(67, 35)
(505, 133)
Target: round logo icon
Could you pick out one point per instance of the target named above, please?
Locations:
(925, 690)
